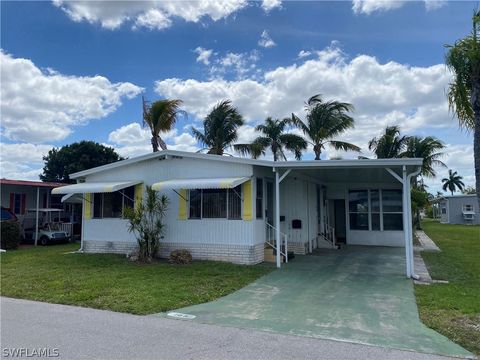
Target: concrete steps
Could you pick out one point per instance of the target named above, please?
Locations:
(269, 255)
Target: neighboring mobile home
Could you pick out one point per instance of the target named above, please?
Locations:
(227, 208)
(458, 209)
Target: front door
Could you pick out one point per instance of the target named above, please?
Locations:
(269, 204)
(340, 221)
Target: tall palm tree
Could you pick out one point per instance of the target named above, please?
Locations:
(389, 145)
(325, 121)
(219, 128)
(160, 116)
(274, 137)
(453, 182)
(463, 60)
(429, 149)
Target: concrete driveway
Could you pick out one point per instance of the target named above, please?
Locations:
(81, 333)
(357, 294)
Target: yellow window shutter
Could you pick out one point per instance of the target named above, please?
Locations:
(182, 205)
(247, 200)
(138, 194)
(87, 206)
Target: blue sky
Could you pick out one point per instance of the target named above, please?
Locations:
(74, 71)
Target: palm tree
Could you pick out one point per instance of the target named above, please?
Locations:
(427, 148)
(219, 128)
(463, 60)
(389, 145)
(160, 116)
(453, 182)
(274, 138)
(325, 121)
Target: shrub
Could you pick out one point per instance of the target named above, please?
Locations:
(10, 234)
(146, 222)
(180, 257)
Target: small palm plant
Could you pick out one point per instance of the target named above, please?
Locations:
(145, 220)
(389, 145)
(219, 128)
(453, 182)
(161, 116)
(324, 122)
(274, 137)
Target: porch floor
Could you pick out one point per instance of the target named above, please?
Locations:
(356, 294)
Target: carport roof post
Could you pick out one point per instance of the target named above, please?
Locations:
(407, 216)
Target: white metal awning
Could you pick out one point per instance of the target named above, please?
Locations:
(94, 187)
(210, 183)
(72, 198)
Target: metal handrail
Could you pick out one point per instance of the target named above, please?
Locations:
(271, 231)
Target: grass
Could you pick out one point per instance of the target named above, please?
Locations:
(107, 281)
(453, 309)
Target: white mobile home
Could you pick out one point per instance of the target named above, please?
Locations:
(226, 208)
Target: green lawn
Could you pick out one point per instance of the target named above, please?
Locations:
(106, 281)
(453, 309)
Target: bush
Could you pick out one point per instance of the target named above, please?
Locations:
(10, 234)
(180, 257)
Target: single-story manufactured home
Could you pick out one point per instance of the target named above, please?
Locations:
(458, 209)
(230, 208)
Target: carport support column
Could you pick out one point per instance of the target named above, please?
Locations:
(277, 216)
(36, 215)
(406, 220)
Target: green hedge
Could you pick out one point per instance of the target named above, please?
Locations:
(10, 235)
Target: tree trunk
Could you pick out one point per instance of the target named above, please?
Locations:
(154, 142)
(475, 98)
(162, 143)
(317, 148)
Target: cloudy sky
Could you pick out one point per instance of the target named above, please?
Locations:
(77, 70)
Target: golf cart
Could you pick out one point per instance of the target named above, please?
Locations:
(50, 229)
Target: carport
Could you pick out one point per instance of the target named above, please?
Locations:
(360, 185)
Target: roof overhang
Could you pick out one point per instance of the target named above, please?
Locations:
(210, 183)
(94, 187)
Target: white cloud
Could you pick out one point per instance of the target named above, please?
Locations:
(382, 93)
(303, 54)
(369, 6)
(241, 65)
(153, 14)
(43, 106)
(22, 161)
(133, 140)
(269, 5)
(265, 40)
(203, 55)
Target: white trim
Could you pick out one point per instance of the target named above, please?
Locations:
(173, 154)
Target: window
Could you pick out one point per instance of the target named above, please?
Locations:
(444, 210)
(17, 203)
(358, 206)
(392, 210)
(111, 205)
(375, 210)
(195, 204)
(375, 206)
(216, 204)
(467, 207)
(259, 199)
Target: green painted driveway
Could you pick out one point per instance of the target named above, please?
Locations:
(356, 294)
